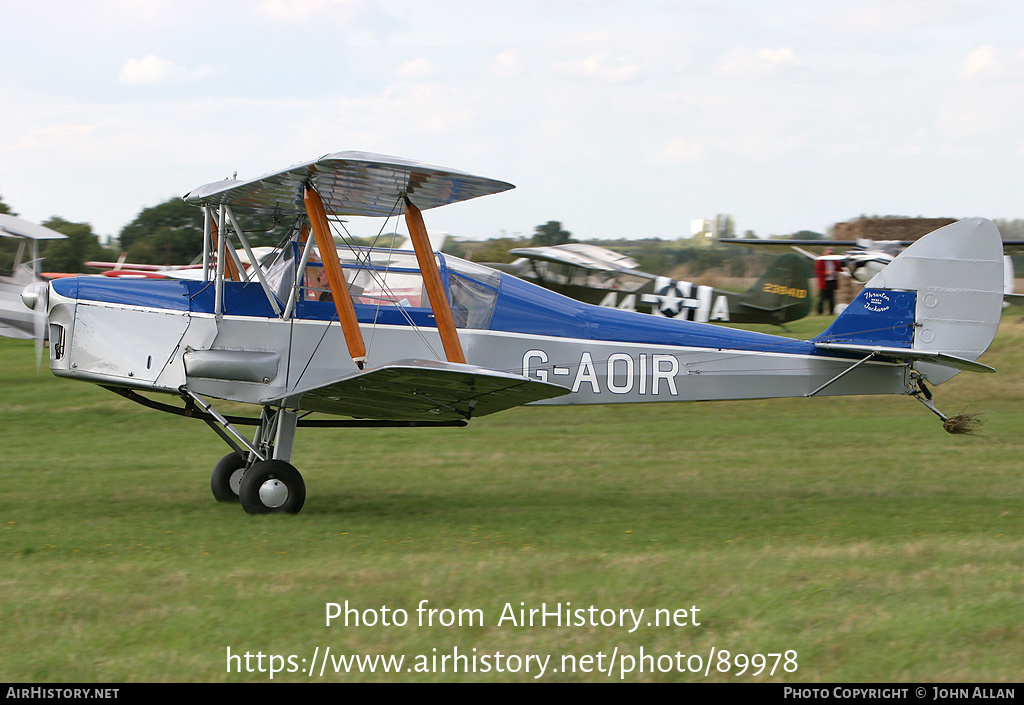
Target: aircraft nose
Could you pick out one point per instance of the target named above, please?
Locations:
(36, 294)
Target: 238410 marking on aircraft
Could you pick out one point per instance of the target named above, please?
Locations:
(782, 290)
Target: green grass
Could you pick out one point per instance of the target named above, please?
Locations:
(852, 530)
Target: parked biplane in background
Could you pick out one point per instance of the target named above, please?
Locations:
(420, 338)
(238, 264)
(20, 267)
(122, 269)
(596, 275)
(862, 259)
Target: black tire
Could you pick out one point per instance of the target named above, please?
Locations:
(226, 477)
(272, 487)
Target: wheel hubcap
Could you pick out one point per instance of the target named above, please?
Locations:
(235, 481)
(273, 493)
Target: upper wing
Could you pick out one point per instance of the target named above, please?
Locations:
(579, 255)
(16, 227)
(421, 390)
(350, 183)
(810, 248)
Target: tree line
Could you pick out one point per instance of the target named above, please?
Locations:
(168, 233)
(172, 233)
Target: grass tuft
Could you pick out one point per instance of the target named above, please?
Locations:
(963, 424)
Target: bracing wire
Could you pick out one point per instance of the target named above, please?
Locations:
(364, 262)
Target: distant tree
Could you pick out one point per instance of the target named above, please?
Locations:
(70, 255)
(168, 233)
(725, 226)
(494, 250)
(8, 245)
(1011, 229)
(712, 257)
(455, 248)
(551, 233)
(807, 235)
(655, 255)
(172, 233)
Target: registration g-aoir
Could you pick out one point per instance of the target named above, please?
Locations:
(382, 337)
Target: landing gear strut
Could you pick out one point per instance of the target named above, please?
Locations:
(961, 424)
(258, 475)
(281, 488)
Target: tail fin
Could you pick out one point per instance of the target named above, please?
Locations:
(782, 289)
(937, 305)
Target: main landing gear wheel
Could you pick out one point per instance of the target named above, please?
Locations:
(272, 486)
(227, 477)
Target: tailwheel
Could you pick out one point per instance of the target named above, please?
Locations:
(227, 477)
(272, 486)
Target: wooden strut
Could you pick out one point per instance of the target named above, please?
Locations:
(432, 281)
(335, 276)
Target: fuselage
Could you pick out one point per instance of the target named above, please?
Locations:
(137, 333)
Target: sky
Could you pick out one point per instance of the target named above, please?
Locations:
(618, 119)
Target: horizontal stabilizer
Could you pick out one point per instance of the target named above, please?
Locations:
(909, 354)
(421, 390)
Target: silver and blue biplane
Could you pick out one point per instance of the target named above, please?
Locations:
(385, 337)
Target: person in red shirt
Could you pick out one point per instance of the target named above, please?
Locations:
(828, 278)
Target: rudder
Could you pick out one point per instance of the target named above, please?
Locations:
(782, 289)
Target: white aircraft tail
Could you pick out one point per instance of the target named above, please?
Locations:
(937, 304)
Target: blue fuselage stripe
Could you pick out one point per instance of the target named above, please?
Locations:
(520, 307)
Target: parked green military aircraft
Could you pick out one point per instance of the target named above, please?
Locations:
(600, 276)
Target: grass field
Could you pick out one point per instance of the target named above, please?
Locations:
(853, 532)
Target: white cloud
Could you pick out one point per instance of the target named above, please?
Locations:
(508, 64)
(149, 69)
(681, 151)
(153, 69)
(416, 70)
(63, 135)
(892, 17)
(745, 64)
(960, 119)
(601, 67)
(982, 60)
(302, 10)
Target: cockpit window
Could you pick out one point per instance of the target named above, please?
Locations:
(390, 278)
(474, 289)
